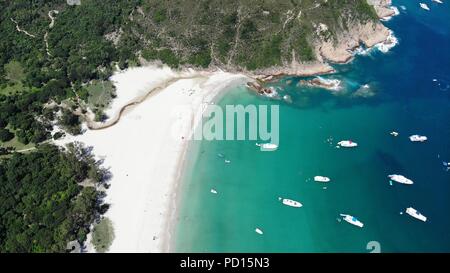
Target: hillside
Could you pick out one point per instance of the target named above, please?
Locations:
(51, 50)
(249, 34)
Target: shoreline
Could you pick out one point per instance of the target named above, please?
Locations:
(169, 242)
(143, 153)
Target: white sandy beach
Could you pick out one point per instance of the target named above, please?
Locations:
(144, 155)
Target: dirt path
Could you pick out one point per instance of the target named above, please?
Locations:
(21, 30)
(238, 35)
(26, 150)
(50, 15)
(50, 26)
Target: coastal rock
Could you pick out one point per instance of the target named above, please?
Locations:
(262, 90)
(369, 35)
(329, 84)
(339, 49)
(337, 53)
(382, 7)
(295, 69)
(383, 12)
(372, 34)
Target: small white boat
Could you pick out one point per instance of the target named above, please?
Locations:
(414, 213)
(323, 179)
(290, 203)
(259, 231)
(347, 144)
(352, 220)
(394, 133)
(227, 161)
(418, 138)
(438, 1)
(267, 146)
(213, 191)
(424, 6)
(400, 179)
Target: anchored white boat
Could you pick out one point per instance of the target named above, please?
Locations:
(347, 144)
(290, 203)
(213, 191)
(424, 6)
(352, 220)
(227, 161)
(323, 179)
(400, 179)
(267, 146)
(414, 213)
(438, 1)
(394, 133)
(259, 231)
(418, 138)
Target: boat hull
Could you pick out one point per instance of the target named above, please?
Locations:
(347, 144)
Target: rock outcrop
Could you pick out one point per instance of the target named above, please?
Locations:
(368, 34)
(382, 7)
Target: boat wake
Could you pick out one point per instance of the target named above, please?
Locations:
(443, 85)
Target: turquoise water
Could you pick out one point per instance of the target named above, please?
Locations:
(406, 99)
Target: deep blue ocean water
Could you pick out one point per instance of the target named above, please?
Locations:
(406, 99)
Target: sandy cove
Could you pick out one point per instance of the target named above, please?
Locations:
(144, 154)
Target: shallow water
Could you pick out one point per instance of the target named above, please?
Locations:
(404, 98)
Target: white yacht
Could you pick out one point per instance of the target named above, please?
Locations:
(267, 146)
(400, 179)
(321, 179)
(290, 203)
(424, 6)
(414, 213)
(352, 220)
(347, 144)
(259, 231)
(418, 138)
(213, 191)
(394, 133)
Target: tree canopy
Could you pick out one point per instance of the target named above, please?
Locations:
(42, 204)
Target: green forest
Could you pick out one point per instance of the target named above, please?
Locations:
(43, 205)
